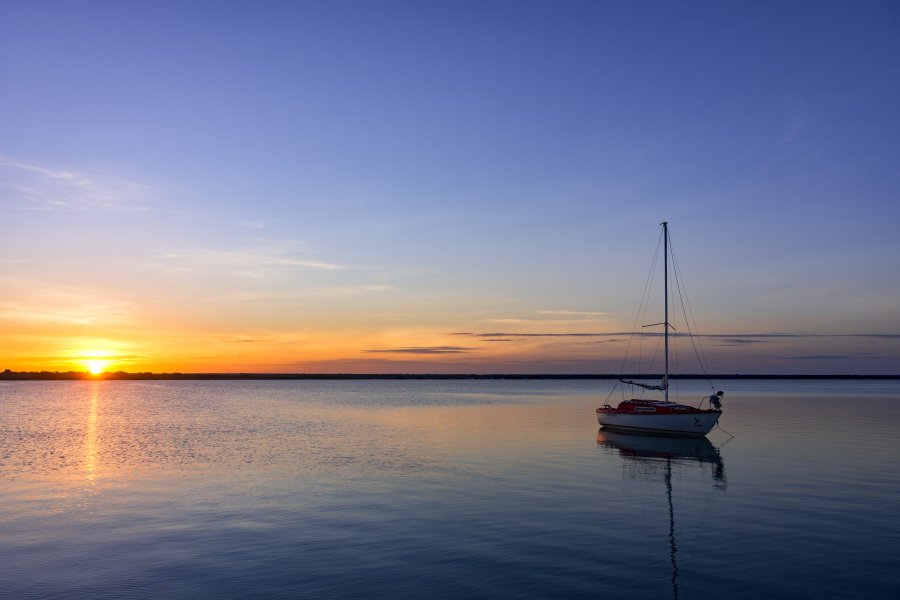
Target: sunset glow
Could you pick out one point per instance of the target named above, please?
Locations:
(96, 361)
(96, 366)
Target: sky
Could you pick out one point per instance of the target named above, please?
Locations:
(447, 186)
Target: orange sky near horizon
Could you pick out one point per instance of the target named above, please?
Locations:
(409, 350)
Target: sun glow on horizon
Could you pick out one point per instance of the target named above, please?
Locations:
(96, 361)
(96, 366)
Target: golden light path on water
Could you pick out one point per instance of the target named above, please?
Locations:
(90, 440)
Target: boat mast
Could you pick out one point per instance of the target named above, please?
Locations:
(665, 225)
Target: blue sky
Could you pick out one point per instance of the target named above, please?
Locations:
(284, 186)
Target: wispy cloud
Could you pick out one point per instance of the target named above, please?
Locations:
(67, 359)
(84, 314)
(583, 314)
(353, 290)
(730, 341)
(424, 350)
(728, 338)
(251, 224)
(863, 355)
(49, 304)
(249, 260)
(544, 316)
(817, 357)
(530, 335)
(29, 185)
(122, 357)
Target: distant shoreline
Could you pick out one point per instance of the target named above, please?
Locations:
(124, 376)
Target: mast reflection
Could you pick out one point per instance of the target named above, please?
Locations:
(652, 456)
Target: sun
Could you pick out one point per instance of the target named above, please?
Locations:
(96, 361)
(96, 365)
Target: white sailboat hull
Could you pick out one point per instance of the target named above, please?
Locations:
(695, 423)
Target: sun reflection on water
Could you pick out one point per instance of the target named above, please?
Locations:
(90, 440)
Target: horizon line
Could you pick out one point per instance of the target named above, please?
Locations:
(9, 375)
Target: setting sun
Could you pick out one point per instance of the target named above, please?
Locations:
(96, 365)
(96, 361)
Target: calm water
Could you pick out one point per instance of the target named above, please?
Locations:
(442, 489)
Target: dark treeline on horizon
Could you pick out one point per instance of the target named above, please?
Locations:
(9, 375)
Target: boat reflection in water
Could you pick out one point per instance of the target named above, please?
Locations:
(660, 450)
(651, 457)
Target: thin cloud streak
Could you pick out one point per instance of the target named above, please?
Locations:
(40, 302)
(251, 224)
(352, 290)
(726, 341)
(424, 350)
(864, 356)
(573, 313)
(57, 360)
(737, 338)
(258, 259)
(37, 187)
(87, 314)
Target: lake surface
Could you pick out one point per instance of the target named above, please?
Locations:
(443, 489)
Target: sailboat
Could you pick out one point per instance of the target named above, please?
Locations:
(662, 416)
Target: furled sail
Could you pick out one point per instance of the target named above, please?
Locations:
(661, 387)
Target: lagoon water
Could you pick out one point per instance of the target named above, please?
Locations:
(443, 489)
